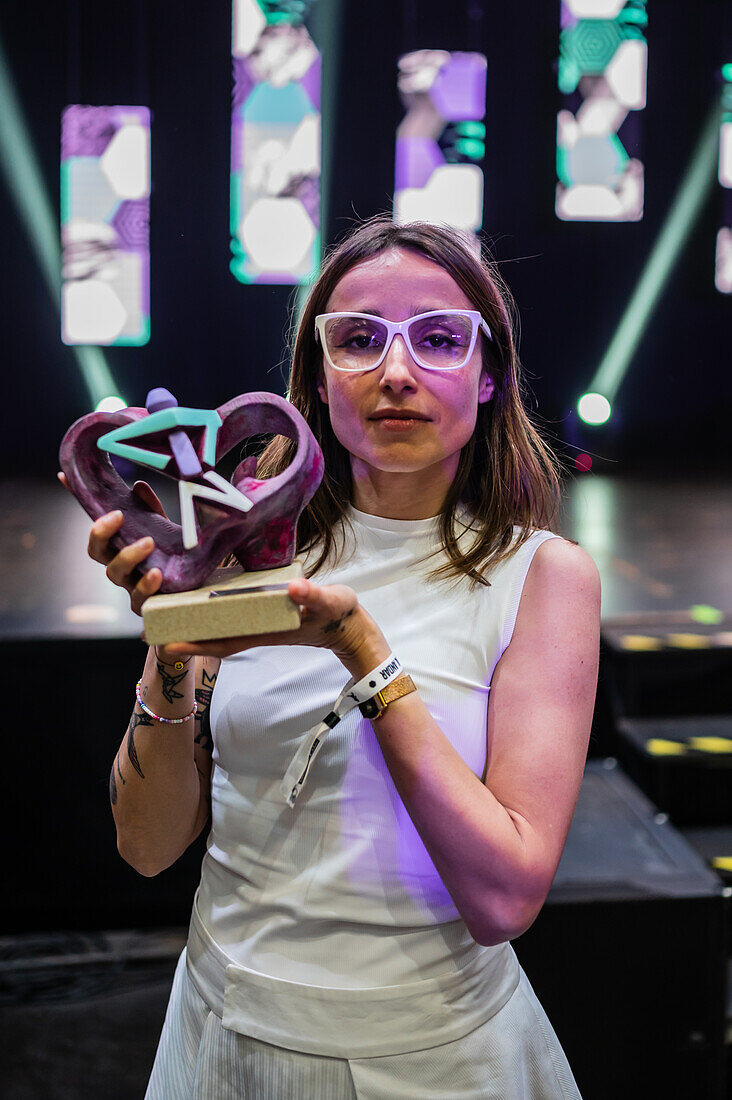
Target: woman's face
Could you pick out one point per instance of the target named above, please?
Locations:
(398, 284)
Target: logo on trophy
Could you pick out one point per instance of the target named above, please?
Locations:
(254, 521)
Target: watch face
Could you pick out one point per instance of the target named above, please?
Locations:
(371, 708)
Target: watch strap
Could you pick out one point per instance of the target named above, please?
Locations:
(374, 708)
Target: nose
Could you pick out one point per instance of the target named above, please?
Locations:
(398, 367)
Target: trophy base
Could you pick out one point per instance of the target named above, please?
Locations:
(231, 605)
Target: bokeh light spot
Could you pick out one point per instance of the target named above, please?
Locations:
(703, 613)
(594, 408)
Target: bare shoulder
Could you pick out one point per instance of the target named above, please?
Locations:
(566, 562)
(563, 581)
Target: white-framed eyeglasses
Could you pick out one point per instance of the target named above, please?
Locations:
(442, 339)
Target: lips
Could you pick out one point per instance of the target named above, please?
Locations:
(397, 414)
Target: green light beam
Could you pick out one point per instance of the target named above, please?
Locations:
(690, 198)
(25, 183)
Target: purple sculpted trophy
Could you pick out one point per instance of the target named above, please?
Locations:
(254, 520)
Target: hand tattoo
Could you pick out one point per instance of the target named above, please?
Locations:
(337, 624)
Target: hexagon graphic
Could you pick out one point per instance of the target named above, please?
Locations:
(126, 162)
(277, 233)
(591, 44)
(92, 313)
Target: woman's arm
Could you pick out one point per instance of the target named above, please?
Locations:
(160, 781)
(497, 844)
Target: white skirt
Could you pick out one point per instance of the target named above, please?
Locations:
(515, 1055)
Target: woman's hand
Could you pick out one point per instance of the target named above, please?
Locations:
(122, 564)
(332, 618)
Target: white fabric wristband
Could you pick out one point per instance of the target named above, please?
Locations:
(352, 694)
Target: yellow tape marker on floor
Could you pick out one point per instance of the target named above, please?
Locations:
(640, 642)
(722, 863)
(689, 641)
(710, 744)
(657, 746)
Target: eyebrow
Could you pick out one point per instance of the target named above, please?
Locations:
(414, 310)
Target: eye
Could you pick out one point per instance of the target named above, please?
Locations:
(440, 340)
(361, 337)
(361, 340)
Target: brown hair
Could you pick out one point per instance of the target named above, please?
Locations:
(507, 473)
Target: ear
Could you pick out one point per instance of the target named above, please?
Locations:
(322, 390)
(486, 388)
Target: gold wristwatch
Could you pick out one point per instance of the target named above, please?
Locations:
(374, 708)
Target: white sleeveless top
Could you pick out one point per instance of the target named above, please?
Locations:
(309, 920)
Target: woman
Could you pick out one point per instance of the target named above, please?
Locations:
(355, 943)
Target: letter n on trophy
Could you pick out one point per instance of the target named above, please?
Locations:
(252, 521)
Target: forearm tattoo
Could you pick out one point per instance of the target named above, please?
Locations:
(171, 681)
(204, 694)
(113, 781)
(202, 736)
(139, 718)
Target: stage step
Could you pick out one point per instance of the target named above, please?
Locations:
(684, 765)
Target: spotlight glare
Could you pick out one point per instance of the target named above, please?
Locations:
(113, 403)
(594, 408)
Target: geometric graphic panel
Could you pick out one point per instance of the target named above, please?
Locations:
(603, 60)
(105, 215)
(723, 254)
(275, 143)
(440, 142)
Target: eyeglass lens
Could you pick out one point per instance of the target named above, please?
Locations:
(440, 342)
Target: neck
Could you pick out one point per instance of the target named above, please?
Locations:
(401, 495)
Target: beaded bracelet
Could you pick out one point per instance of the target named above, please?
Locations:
(157, 717)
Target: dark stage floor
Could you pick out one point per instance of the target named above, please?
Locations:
(662, 546)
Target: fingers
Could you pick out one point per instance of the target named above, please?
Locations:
(148, 496)
(64, 480)
(325, 610)
(101, 532)
(126, 561)
(299, 590)
(323, 600)
(225, 647)
(147, 586)
(121, 564)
